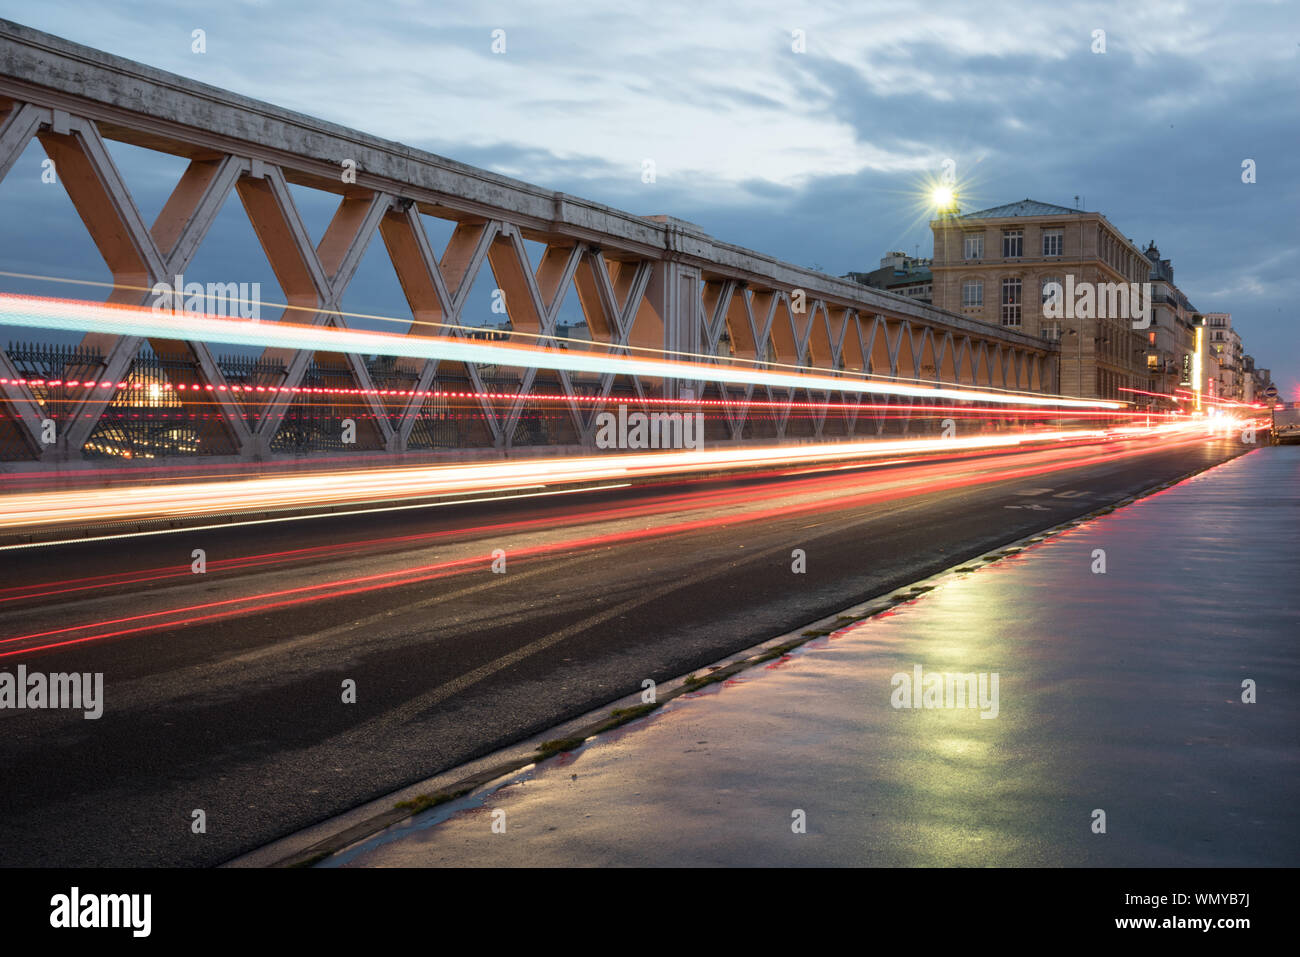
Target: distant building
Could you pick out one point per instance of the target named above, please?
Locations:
(498, 332)
(1171, 340)
(1224, 343)
(1263, 379)
(577, 330)
(899, 273)
(997, 264)
(1247, 378)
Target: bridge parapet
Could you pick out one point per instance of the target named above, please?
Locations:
(645, 285)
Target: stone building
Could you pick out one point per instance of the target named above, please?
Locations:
(995, 265)
(1171, 340)
(899, 273)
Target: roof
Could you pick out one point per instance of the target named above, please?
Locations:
(1026, 207)
(891, 277)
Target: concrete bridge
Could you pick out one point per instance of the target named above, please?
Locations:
(652, 283)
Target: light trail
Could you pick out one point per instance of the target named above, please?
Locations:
(197, 396)
(302, 518)
(700, 495)
(412, 322)
(86, 507)
(1213, 400)
(1158, 395)
(140, 473)
(123, 320)
(901, 486)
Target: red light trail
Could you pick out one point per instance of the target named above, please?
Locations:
(746, 504)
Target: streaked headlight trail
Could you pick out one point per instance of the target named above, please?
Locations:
(80, 508)
(76, 316)
(671, 517)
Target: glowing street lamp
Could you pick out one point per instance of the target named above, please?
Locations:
(944, 200)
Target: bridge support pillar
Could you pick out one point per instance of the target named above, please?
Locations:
(674, 294)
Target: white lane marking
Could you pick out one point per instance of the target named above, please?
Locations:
(1034, 491)
(1070, 494)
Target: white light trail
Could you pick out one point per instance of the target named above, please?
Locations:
(74, 316)
(81, 508)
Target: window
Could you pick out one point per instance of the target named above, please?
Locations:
(972, 293)
(973, 248)
(1047, 291)
(1013, 243)
(1053, 242)
(1052, 330)
(1011, 302)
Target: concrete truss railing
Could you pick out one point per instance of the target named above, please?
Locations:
(644, 283)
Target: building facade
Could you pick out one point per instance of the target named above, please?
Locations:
(1224, 344)
(1248, 378)
(1262, 379)
(1171, 340)
(996, 264)
(899, 273)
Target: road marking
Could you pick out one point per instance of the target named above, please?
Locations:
(1034, 491)
(408, 711)
(1070, 494)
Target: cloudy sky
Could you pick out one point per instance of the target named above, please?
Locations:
(817, 157)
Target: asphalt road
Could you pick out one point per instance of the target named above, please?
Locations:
(223, 691)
